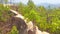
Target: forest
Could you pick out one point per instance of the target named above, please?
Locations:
(46, 19)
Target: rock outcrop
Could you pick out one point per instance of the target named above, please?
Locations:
(34, 30)
(23, 27)
(31, 29)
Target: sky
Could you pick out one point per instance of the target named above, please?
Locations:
(39, 1)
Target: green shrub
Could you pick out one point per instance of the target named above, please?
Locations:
(14, 30)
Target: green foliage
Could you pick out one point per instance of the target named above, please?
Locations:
(46, 19)
(31, 4)
(4, 13)
(14, 30)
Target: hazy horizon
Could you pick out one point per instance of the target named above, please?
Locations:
(37, 1)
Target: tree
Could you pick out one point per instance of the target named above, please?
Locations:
(1, 1)
(31, 5)
(6, 1)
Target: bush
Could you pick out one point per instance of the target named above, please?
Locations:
(14, 30)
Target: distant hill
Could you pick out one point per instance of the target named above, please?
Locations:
(49, 5)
